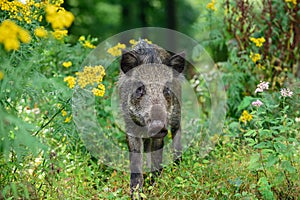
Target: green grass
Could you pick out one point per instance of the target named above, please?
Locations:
(74, 174)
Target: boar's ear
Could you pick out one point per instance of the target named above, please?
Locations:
(128, 61)
(177, 62)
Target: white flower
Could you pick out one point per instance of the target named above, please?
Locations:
(286, 92)
(257, 103)
(262, 86)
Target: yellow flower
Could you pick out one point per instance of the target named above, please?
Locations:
(11, 33)
(245, 117)
(51, 9)
(100, 91)
(148, 41)
(40, 32)
(23, 12)
(292, 1)
(63, 113)
(261, 67)
(255, 57)
(57, 2)
(24, 36)
(11, 44)
(67, 64)
(133, 42)
(58, 17)
(68, 119)
(257, 41)
(60, 34)
(81, 38)
(116, 50)
(90, 75)
(71, 81)
(40, 18)
(87, 44)
(1, 75)
(211, 5)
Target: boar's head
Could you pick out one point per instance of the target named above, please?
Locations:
(150, 90)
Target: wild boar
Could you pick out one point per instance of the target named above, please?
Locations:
(150, 97)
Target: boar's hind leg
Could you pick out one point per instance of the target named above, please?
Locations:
(177, 148)
(136, 163)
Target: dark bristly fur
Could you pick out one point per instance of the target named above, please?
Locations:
(150, 97)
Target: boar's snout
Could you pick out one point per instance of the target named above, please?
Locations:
(157, 124)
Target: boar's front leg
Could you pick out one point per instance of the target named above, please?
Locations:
(156, 155)
(135, 146)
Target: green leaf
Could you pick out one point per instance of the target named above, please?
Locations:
(280, 147)
(234, 125)
(14, 190)
(245, 103)
(272, 160)
(286, 165)
(265, 188)
(261, 145)
(251, 142)
(250, 133)
(265, 133)
(254, 162)
(143, 195)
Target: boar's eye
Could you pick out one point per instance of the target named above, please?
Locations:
(140, 91)
(167, 92)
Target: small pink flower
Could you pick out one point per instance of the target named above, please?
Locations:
(286, 92)
(262, 86)
(257, 103)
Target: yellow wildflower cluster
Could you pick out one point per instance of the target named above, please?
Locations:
(294, 2)
(116, 50)
(40, 32)
(211, 5)
(257, 41)
(90, 75)
(99, 91)
(11, 33)
(86, 43)
(89, 45)
(58, 17)
(245, 117)
(60, 34)
(64, 114)
(71, 81)
(148, 41)
(134, 42)
(68, 119)
(54, 2)
(1, 75)
(67, 64)
(255, 56)
(22, 11)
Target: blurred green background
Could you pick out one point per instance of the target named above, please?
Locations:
(104, 18)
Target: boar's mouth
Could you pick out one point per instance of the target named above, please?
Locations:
(157, 129)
